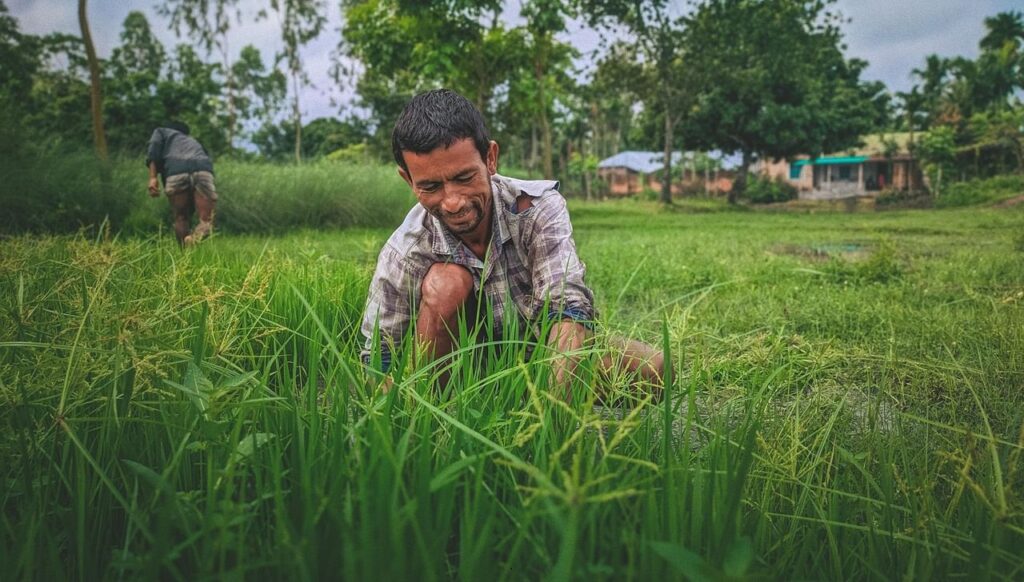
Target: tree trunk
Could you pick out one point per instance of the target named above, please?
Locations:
(533, 148)
(666, 179)
(586, 171)
(229, 86)
(739, 187)
(99, 136)
(297, 114)
(539, 66)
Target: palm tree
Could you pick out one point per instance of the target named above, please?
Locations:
(1005, 28)
(934, 79)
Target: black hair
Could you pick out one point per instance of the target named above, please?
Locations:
(178, 126)
(436, 119)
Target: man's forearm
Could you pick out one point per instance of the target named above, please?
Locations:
(566, 339)
(152, 170)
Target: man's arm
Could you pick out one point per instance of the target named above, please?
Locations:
(388, 308)
(566, 338)
(154, 154)
(154, 183)
(559, 287)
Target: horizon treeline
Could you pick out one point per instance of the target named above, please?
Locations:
(758, 79)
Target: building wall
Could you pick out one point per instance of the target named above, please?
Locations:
(625, 182)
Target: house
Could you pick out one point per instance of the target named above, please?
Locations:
(631, 172)
(883, 162)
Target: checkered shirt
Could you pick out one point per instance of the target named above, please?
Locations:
(531, 263)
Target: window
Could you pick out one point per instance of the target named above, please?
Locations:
(844, 173)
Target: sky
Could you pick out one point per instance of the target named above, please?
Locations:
(893, 36)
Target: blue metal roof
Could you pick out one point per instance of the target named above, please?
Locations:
(649, 162)
(643, 162)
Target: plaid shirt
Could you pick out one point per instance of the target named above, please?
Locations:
(531, 262)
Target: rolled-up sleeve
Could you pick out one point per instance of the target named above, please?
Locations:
(389, 307)
(557, 271)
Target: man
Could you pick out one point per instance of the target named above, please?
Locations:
(479, 242)
(187, 172)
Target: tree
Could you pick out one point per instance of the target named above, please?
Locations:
(134, 71)
(772, 81)
(408, 46)
(544, 19)
(659, 35)
(191, 93)
(301, 22)
(208, 23)
(938, 152)
(934, 79)
(96, 93)
(321, 137)
(259, 93)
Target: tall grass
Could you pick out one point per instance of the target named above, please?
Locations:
(203, 414)
(66, 191)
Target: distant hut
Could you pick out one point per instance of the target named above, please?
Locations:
(631, 172)
(883, 162)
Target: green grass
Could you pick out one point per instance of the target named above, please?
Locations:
(67, 193)
(846, 404)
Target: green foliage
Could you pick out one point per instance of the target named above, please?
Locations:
(766, 191)
(985, 191)
(937, 150)
(772, 79)
(320, 137)
(893, 198)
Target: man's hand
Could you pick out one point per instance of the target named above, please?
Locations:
(154, 188)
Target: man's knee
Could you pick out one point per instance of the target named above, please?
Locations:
(446, 288)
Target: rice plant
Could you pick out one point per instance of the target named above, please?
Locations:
(204, 414)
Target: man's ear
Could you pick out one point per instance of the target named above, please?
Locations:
(405, 176)
(492, 158)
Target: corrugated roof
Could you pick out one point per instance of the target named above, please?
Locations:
(649, 162)
(643, 162)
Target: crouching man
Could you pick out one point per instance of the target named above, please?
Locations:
(480, 242)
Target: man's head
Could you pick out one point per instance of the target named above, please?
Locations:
(437, 119)
(444, 154)
(178, 126)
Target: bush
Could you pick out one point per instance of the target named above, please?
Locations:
(987, 191)
(765, 191)
(892, 198)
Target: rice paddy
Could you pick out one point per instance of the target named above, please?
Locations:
(845, 402)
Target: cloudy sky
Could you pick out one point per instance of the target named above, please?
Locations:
(892, 35)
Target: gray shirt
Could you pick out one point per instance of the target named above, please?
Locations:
(176, 153)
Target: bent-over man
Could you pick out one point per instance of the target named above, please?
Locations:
(187, 173)
(479, 241)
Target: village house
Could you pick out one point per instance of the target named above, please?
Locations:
(632, 172)
(883, 162)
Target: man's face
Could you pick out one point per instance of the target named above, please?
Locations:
(454, 185)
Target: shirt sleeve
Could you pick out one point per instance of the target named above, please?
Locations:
(155, 150)
(556, 269)
(389, 307)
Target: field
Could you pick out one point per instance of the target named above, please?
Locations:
(846, 403)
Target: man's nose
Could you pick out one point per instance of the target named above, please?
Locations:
(452, 201)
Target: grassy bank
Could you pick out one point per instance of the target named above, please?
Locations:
(846, 404)
(66, 193)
